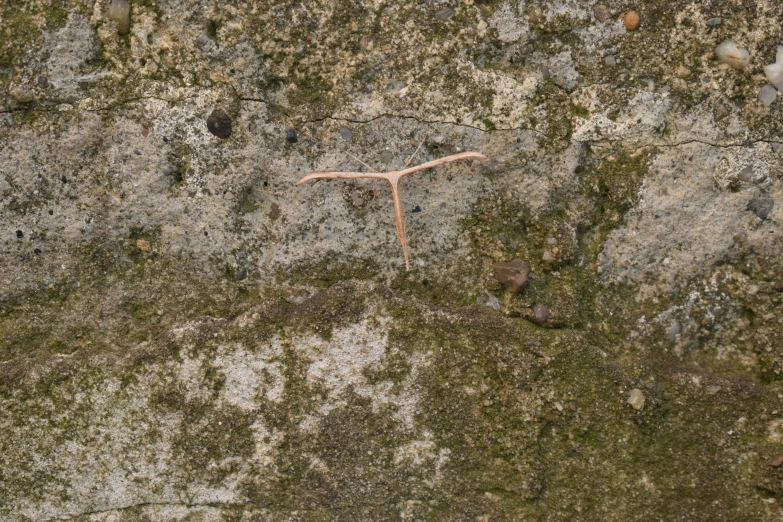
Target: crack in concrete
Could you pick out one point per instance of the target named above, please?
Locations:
(217, 505)
(276, 107)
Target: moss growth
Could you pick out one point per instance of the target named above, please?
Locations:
(329, 270)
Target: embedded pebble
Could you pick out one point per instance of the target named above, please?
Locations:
(346, 134)
(512, 274)
(733, 56)
(203, 40)
(746, 174)
(395, 86)
(673, 331)
(21, 95)
(119, 12)
(219, 124)
(143, 245)
(753, 289)
(548, 256)
(445, 13)
(274, 211)
(774, 71)
(776, 462)
(540, 313)
(720, 112)
(290, 136)
(43, 83)
(365, 42)
(488, 299)
(636, 399)
(19, 234)
(714, 22)
(562, 71)
(715, 388)
(761, 206)
(768, 94)
(601, 12)
(386, 157)
(632, 20)
(610, 60)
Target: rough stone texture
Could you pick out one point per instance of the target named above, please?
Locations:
(185, 334)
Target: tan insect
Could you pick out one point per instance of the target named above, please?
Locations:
(393, 177)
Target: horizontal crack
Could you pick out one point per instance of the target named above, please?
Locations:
(145, 504)
(120, 103)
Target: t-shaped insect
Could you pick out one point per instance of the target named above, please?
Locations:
(393, 177)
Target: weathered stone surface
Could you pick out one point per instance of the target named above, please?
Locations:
(185, 334)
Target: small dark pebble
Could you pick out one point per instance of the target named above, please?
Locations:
(541, 313)
(19, 234)
(417, 208)
(241, 274)
(512, 274)
(290, 136)
(37, 250)
(43, 83)
(165, 139)
(218, 124)
(761, 206)
(63, 179)
(346, 134)
(425, 282)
